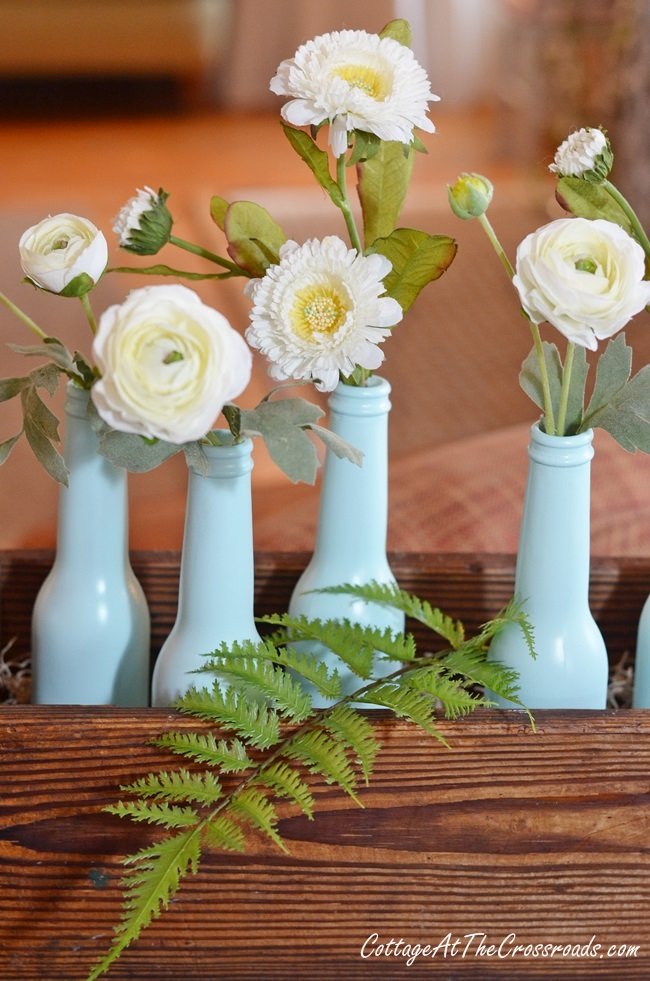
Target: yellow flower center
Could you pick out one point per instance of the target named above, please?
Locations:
(365, 78)
(317, 310)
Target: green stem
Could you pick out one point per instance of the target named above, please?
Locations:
(534, 329)
(90, 316)
(22, 316)
(639, 232)
(205, 254)
(345, 205)
(566, 384)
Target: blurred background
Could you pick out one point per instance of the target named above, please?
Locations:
(99, 97)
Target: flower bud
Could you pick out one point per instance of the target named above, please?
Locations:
(63, 254)
(470, 196)
(587, 153)
(144, 224)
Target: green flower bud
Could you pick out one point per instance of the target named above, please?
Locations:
(470, 196)
(144, 224)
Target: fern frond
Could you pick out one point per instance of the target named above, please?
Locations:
(451, 692)
(262, 678)
(356, 733)
(513, 614)
(221, 832)
(310, 667)
(254, 807)
(229, 755)
(285, 781)
(407, 703)
(471, 662)
(323, 755)
(232, 709)
(387, 594)
(165, 815)
(177, 785)
(149, 886)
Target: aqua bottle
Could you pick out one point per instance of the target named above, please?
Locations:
(641, 689)
(90, 624)
(352, 523)
(552, 582)
(216, 590)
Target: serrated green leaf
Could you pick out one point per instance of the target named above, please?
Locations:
(339, 447)
(133, 452)
(356, 733)
(221, 832)
(263, 679)
(254, 237)
(613, 371)
(383, 182)
(323, 754)
(46, 376)
(228, 754)
(627, 416)
(177, 785)
(530, 379)
(316, 159)
(165, 815)
(470, 661)
(281, 424)
(254, 807)
(7, 446)
(417, 259)
(46, 454)
(407, 703)
(51, 348)
(39, 414)
(286, 782)
(257, 723)
(308, 665)
(399, 29)
(218, 208)
(587, 200)
(454, 698)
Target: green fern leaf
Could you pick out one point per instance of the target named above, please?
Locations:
(310, 667)
(470, 661)
(150, 885)
(177, 785)
(262, 678)
(229, 755)
(254, 807)
(221, 832)
(322, 754)
(387, 594)
(232, 709)
(287, 782)
(162, 814)
(407, 703)
(355, 732)
(451, 692)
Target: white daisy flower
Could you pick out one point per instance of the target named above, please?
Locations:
(585, 153)
(319, 312)
(355, 80)
(144, 223)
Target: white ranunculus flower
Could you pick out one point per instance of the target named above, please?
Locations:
(60, 248)
(584, 153)
(168, 364)
(355, 80)
(584, 277)
(320, 311)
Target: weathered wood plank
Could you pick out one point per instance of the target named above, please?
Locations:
(544, 835)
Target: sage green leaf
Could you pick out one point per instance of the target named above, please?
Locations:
(51, 348)
(133, 452)
(417, 258)
(612, 373)
(576, 400)
(339, 447)
(160, 269)
(627, 415)
(195, 456)
(282, 425)
(49, 458)
(232, 414)
(383, 183)
(399, 29)
(316, 159)
(84, 369)
(254, 237)
(10, 387)
(79, 286)
(587, 200)
(7, 446)
(530, 379)
(39, 415)
(218, 208)
(46, 376)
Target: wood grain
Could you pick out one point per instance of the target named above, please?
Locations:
(544, 835)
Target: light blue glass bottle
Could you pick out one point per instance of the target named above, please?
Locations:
(552, 581)
(352, 523)
(90, 624)
(216, 593)
(641, 690)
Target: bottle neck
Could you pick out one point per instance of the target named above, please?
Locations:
(217, 568)
(354, 500)
(554, 546)
(93, 514)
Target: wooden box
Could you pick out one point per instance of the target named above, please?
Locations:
(515, 854)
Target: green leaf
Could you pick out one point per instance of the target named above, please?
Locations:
(383, 182)
(221, 832)
(177, 785)
(133, 452)
(470, 662)
(7, 446)
(52, 349)
(399, 29)
(455, 699)
(36, 414)
(254, 237)
(228, 754)
(356, 733)
(254, 807)
(576, 400)
(530, 378)
(417, 259)
(79, 286)
(322, 754)
(232, 414)
(308, 665)
(356, 646)
(317, 160)
(286, 782)
(262, 678)
(10, 387)
(164, 814)
(587, 200)
(160, 269)
(338, 446)
(365, 146)
(234, 710)
(281, 424)
(39, 415)
(407, 703)
(218, 208)
(613, 371)
(46, 376)
(627, 416)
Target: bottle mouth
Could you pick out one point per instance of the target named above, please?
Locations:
(560, 451)
(371, 399)
(227, 459)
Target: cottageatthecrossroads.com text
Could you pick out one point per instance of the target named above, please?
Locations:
(480, 945)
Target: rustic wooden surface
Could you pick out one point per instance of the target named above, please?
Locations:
(471, 587)
(543, 835)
